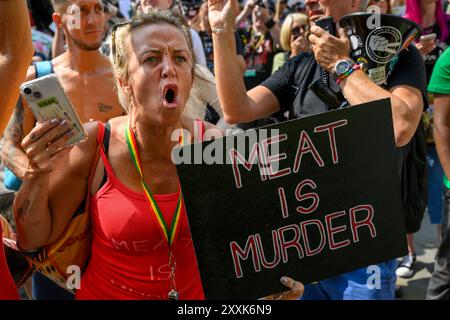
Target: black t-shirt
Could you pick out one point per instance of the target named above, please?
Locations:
(283, 84)
(410, 71)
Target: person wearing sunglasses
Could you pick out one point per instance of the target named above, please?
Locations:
(293, 39)
(15, 57)
(141, 245)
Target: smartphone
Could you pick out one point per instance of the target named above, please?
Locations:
(428, 37)
(327, 24)
(48, 100)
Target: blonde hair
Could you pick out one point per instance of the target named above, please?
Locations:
(286, 28)
(119, 58)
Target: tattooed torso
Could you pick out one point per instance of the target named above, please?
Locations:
(93, 96)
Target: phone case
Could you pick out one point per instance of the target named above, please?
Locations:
(327, 24)
(47, 100)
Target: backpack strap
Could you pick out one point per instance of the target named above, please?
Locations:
(43, 68)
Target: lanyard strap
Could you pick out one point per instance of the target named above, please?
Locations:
(168, 233)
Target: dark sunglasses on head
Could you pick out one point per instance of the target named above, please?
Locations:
(113, 37)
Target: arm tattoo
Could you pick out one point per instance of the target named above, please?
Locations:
(13, 135)
(104, 108)
(14, 131)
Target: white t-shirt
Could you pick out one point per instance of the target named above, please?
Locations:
(198, 48)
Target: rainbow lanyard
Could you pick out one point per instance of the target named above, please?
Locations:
(168, 234)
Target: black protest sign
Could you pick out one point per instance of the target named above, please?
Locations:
(331, 206)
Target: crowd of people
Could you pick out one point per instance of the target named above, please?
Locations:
(213, 64)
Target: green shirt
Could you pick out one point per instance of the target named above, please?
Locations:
(440, 79)
(440, 83)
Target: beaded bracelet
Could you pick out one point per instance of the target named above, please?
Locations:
(349, 72)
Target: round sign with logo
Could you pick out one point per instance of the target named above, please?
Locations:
(384, 36)
(383, 44)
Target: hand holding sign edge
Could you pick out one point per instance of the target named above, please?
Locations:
(296, 290)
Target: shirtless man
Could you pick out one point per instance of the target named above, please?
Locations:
(83, 71)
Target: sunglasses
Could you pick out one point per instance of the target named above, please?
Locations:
(297, 32)
(113, 38)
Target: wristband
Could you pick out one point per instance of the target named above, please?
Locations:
(349, 72)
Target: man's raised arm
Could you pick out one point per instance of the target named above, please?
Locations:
(237, 105)
(16, 52)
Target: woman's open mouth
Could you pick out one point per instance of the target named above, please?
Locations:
(170, 96)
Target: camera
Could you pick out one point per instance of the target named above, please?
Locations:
(33, 92)
(37, 95)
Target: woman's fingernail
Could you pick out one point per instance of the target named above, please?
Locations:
(64, 123)
(70, 133)
(284, 280)
(54, 121)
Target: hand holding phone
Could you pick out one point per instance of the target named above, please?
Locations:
(327, 24)
(47, 100)
(428, 37)
(427, 44)
(43, 145)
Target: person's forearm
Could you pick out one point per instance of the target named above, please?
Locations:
(230, 84)
(14, 159)
(441, 132)
(277, 14)
(15, 32)
(16, 52)
(31, 211)
(12, 155)
(442, 139)
(359, 88)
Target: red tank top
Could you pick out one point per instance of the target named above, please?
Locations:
(8, 290)
(130, 259)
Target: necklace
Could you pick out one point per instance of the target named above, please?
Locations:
(167, 233)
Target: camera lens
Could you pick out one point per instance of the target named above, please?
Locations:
(37, 95)
(27, 90)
